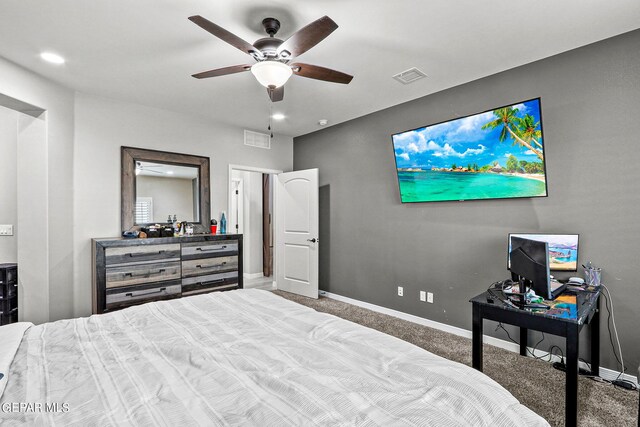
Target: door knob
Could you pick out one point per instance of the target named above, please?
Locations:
(313, 240)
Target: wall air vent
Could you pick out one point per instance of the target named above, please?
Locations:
(255, 139)
(409, 76)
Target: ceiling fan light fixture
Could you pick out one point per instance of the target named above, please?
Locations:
(271, 73)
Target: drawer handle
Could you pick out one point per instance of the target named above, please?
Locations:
(145, 274)
(132, 255)
(211, 266)
(210, 282)
(159, 291)
(209, 249)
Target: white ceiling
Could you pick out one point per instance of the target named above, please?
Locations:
(144, 51)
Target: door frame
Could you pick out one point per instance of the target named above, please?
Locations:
(243, 168)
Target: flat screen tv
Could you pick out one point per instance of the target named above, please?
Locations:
(497, 154)
(563, 250)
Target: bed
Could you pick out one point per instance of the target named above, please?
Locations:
(245, 357)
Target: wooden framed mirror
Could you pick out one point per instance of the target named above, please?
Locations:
(156, 185)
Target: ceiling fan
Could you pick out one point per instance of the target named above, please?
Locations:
(272, 55)
(147, 168)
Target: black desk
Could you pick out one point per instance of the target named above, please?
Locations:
(587, 312)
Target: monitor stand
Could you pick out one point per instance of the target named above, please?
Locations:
(521, 300)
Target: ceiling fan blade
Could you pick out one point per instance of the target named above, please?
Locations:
(225, 35)
(222, 71)
(320, 73)
(276, 94)
(307, 37)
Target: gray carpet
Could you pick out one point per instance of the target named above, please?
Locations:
(542, 389)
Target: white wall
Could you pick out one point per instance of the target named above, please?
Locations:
(102, 126)
(8, 182)
(28, 87)
(34, 278)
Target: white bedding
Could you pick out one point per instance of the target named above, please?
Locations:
(244, 357)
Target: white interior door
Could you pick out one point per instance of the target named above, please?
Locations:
(297, 244)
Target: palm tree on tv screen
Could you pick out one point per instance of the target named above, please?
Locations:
(529, 130)
(508, 119)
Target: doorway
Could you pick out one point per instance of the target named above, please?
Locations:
(251, 213)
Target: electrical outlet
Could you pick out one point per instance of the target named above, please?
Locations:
(430, 297)
(6, 230)
(423, 296)
(400, 291)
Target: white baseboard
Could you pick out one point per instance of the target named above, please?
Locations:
(249, 276)
(607, 374)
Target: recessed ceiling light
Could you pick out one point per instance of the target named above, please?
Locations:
(278, 116)
(52, 58)
(323, 122)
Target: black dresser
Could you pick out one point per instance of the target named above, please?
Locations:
(8, 293)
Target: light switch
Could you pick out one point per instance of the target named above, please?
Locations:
(6, 229)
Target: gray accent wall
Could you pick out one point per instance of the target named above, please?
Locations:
(371, 243)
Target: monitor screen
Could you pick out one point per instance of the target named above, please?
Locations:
(563, 250)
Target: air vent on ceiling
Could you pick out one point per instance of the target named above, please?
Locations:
(255, 139)
(409, 76)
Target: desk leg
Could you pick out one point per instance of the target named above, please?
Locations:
(595, 341)
(571, 384)
(523, 341)
(476, 341)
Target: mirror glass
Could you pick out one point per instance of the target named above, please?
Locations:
(164, 190)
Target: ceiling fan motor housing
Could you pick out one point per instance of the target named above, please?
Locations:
(268, 46)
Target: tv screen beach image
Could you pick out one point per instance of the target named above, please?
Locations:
(491, 155)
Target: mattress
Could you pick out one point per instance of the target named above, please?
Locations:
(244, 357)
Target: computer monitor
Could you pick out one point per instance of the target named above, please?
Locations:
(563, 250)
(530, 265)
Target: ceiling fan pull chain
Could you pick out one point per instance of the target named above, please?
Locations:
(270, 118)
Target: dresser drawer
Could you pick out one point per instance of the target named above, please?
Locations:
(116, 297)
(197, 267)
(8, 318)
(8, 276)
(210, 282)
(8, 290)
(8, 305)
(127, 275)
(135, 254)
(208, 249)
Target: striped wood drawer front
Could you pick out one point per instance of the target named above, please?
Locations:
(142, 293)
(211, 248)
(210, 282)
(135, 274)
(198, 267)
(135, 254)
